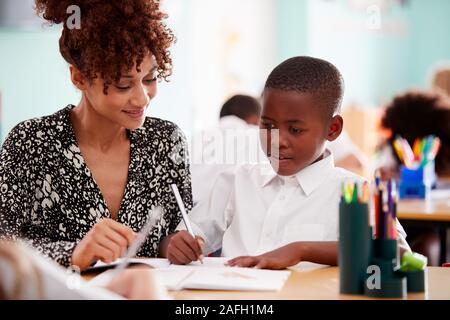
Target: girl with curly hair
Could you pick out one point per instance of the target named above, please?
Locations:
(78, 184)
(417, 114)
(412, 115)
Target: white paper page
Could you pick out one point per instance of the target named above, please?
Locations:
(173, 279)
(241, 279)
(211, 275)
(153, 262)
(158, 263)
(208, 262)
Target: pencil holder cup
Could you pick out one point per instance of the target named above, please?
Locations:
(354, 246)
(416, 280)
(387, 287)
(386, 250)
(417, 183)
(385, 282)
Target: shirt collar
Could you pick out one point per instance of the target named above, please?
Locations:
(267, 173)
(311, 177)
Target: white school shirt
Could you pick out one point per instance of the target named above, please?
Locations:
(254, 210)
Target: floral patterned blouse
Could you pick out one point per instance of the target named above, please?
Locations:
(50, 198)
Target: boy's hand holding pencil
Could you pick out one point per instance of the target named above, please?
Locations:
(182, 248)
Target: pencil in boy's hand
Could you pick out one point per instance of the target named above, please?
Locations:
(184, 215)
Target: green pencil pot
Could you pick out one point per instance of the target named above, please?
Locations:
(354, 247)
(388, 287)
(386, 249)
(385, 282)
(415, 280)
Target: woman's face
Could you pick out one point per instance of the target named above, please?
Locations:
(126, 101)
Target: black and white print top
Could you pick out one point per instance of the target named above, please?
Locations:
(50, 199)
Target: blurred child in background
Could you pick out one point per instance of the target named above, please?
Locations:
(412, 115)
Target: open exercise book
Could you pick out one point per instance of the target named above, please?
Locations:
(211, 275)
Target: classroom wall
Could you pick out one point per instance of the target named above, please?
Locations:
(34, 79)
(430, 37)
(292, 28)
(377, 62)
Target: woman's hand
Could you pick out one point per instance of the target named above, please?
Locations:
(138, 283)
(106, 241)
(281, 258)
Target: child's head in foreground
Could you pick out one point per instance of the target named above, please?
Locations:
(302, 98)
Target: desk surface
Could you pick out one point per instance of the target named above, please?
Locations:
(320, 284)
(316, 284)
(430, 210)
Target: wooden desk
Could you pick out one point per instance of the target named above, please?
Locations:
(320, 284)
(424, 210)
(316, 284)
(433, 213)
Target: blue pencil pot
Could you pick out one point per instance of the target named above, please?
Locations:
(417, 183)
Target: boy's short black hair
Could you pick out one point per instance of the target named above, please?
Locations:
(241, 106)
(310, 75)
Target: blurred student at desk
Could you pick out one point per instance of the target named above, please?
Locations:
(416, 115)
(346, 154)
(413, 115)
(232, 143)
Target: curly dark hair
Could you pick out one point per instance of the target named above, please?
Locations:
(310, 75)
(114, 36)
(417, 114)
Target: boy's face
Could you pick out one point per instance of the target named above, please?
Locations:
(302, 130)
